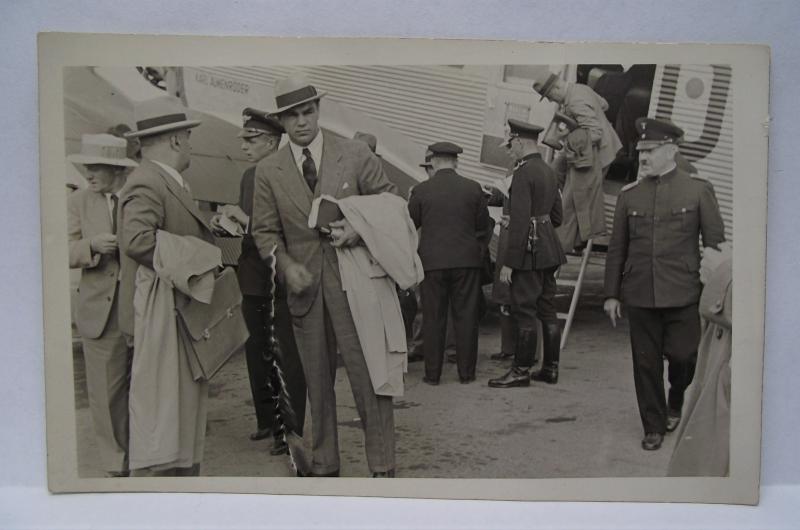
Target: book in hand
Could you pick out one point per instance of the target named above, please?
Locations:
(230, 226)
(324, 210)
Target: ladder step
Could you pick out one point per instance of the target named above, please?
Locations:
(567, 283)
(562, 316)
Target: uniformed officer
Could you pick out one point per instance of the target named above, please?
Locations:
(652, 266)
(532, 256)
(261, 136)
(452, 213)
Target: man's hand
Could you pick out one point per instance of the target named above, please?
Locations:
(103, 243)
(343, 235)
(234, 212)
(298, 279)
(215, 226)
(505, 274)
(613, 309)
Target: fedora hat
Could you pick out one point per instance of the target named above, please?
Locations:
(293, 91)
(102, 149)
(160, 115)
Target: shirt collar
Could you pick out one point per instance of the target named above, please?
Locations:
(172, 172)
(316, 151)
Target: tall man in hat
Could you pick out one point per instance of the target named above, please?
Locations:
(451, 212)
(157, 198)
(653, 267)
(263, 299)
(590, 150)
(532, 256)
(93, 248)
(311, 164)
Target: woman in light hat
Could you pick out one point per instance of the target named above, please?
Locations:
(92, 224)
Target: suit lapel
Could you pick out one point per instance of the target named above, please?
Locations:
(291, 179)
(183, 196)
(330, 171)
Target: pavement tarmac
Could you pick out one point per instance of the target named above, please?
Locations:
(585, 426)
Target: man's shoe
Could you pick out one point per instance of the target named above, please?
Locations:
(515, 377)
(546, 375)
(432, 382)
(279, 448)
(501, 356)
(673, 420)
(332, 474)
(652, 441)
(383, 474)
(261, 434)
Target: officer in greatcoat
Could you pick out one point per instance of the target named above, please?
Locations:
(653, 267)
(532, 256)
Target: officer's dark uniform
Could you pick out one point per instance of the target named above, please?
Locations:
(534, 253)
(256, 283)
(452, 212)
(653, 268)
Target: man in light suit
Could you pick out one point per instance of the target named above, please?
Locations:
(581, 176)
(93, 249)
(311, 164)
(156, 197)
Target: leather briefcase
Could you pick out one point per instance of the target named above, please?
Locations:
(213, 332)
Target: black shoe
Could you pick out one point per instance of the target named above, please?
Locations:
(515, 377)
(432, 382)
(466, 380)
(547, 374)
(261, 434)
(652, 441)
(383, 474)
(501, 356)
(332, 474)
(673, 420)
(279, 447)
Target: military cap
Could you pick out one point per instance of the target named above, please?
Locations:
(257, 122)
(445, 148)
(519, 128)
(653, 133)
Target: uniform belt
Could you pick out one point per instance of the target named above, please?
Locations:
(540, 218)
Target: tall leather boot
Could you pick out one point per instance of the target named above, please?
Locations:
(519, 374)
(551, 344)
(508, 338)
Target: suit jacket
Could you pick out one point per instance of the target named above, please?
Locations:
(151, 200)
(254, 274)
(653, 255)
(586, 107)
(452, 212)
(282, 203)
(534, 193)
(88, 216)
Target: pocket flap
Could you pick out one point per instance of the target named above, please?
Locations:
(683, 209)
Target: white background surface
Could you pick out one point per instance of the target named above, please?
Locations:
(24, 501)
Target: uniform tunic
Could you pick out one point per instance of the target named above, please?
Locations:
(653, 266)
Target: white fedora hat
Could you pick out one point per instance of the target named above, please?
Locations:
(103, 149)
(160, 115)
(293, 91)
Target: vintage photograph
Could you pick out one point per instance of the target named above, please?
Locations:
(504, 270)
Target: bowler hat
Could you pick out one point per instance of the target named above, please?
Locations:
(293, 91)
(258, 122)
(102, 149)
(160, 115)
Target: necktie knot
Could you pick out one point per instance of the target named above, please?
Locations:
(309, 169)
